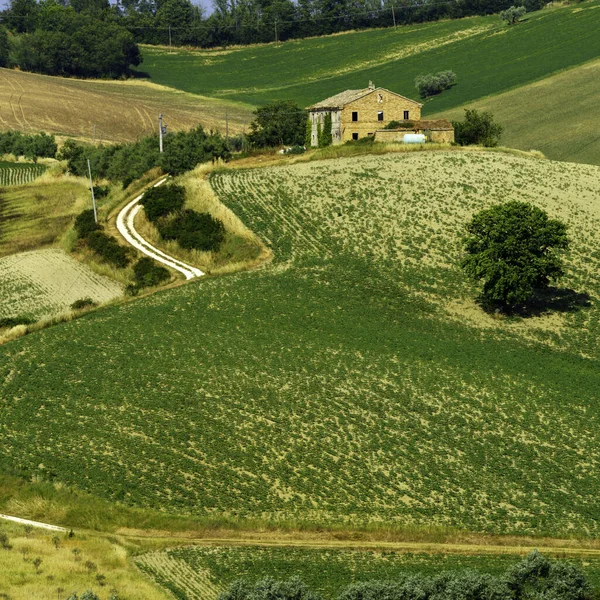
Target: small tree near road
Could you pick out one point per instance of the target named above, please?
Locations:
(513, 14)
(514, 249)
(477, 129)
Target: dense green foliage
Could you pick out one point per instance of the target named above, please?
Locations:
(127, 162)
(513, 248)
(513, 14)
(325, 136)
(30, 146)
(85, 223)
(147, 273)
(350, 381)
(280, 123)
(545, 43)
(193, 230)
(162, 200)
(70, 40)
(477, 129)
(533, 577)
(433, 84)
(108, 249)
(4, 47)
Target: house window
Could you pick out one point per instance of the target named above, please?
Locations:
(406, 117)
(355, 116)
(380, 115)
(355, 136)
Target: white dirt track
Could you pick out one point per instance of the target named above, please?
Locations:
(126, 227)
(33, 523)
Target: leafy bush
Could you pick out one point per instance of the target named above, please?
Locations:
(83, 303)
(280, 123)
(160, 201)
(29, 146)
(148, 273)
(325, 137)
(512, 248)
(433, 84)
(85, 223)
(269, 589)
(477, 129)
(513, 14)
(193, 230)
(14, 321)
(400, 125)
(4, 47)
(108, 249)
(296, 150)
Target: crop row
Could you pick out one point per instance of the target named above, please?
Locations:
(19, 174)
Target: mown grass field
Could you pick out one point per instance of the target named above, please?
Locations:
(122, 111)
(559, 115)
(19, 173)
(313, 69)
(202, 572)
(352, 381)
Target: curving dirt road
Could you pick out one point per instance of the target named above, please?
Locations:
(126, 227)
(33, 523)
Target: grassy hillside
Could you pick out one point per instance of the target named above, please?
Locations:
(121, 110)
(202, 572)
(559, 115)
(310, 70)
(352, 381)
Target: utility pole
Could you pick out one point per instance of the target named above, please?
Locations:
(393, 15)
(169, 39)
(276, 40)
(227, 124)
(92, 190)
(160, 133)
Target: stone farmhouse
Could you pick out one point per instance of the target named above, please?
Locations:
(357, 114)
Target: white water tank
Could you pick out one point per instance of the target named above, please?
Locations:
(414, 138)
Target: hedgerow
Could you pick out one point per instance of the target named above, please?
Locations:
(163, 200)
(193, 230)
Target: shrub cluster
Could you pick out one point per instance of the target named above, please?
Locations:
(534, 577)
(148, 273)
(127, 162)
(160, 201)
(83, 303)
(29, 146)
(513, 14)
(432, 84)
(102, 244)
(4, 47)
(14, 321)
(190, 229)
(193, 230)
(477, 129)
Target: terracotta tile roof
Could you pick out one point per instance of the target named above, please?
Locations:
(436, 124)
(340, 100)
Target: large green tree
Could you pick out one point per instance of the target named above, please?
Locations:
(280, 123)
(3, 47)
(477, 129)
(514, 248)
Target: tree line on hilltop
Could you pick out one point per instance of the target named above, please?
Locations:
(92, 38)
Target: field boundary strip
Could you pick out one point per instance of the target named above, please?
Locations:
(33, 523)
(126, 227)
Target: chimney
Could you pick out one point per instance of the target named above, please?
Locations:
(371, 85)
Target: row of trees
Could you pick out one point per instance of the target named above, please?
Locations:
(533, 577)
(180, 22)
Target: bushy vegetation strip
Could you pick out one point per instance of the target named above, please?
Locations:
(30, 146)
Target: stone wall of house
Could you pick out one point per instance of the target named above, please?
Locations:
(368, 108)
(442, 136)
(317, 117)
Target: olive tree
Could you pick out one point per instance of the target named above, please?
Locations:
(513, 14)
(513, 248)
(477, 129)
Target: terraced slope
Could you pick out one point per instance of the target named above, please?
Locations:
(122, 111)
(352, 381)
(310, 70)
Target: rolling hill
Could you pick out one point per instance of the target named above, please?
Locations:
(488, 57)
(122, 111)
(352, 381)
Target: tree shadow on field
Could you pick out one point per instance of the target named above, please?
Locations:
(552, 299)
(139, 74)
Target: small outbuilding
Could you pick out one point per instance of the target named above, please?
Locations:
(438, 131)
(360, 113)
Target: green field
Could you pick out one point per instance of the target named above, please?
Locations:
(201, 572)
(353, 381)
(19, 173)
(310, 70)
(559, 115)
